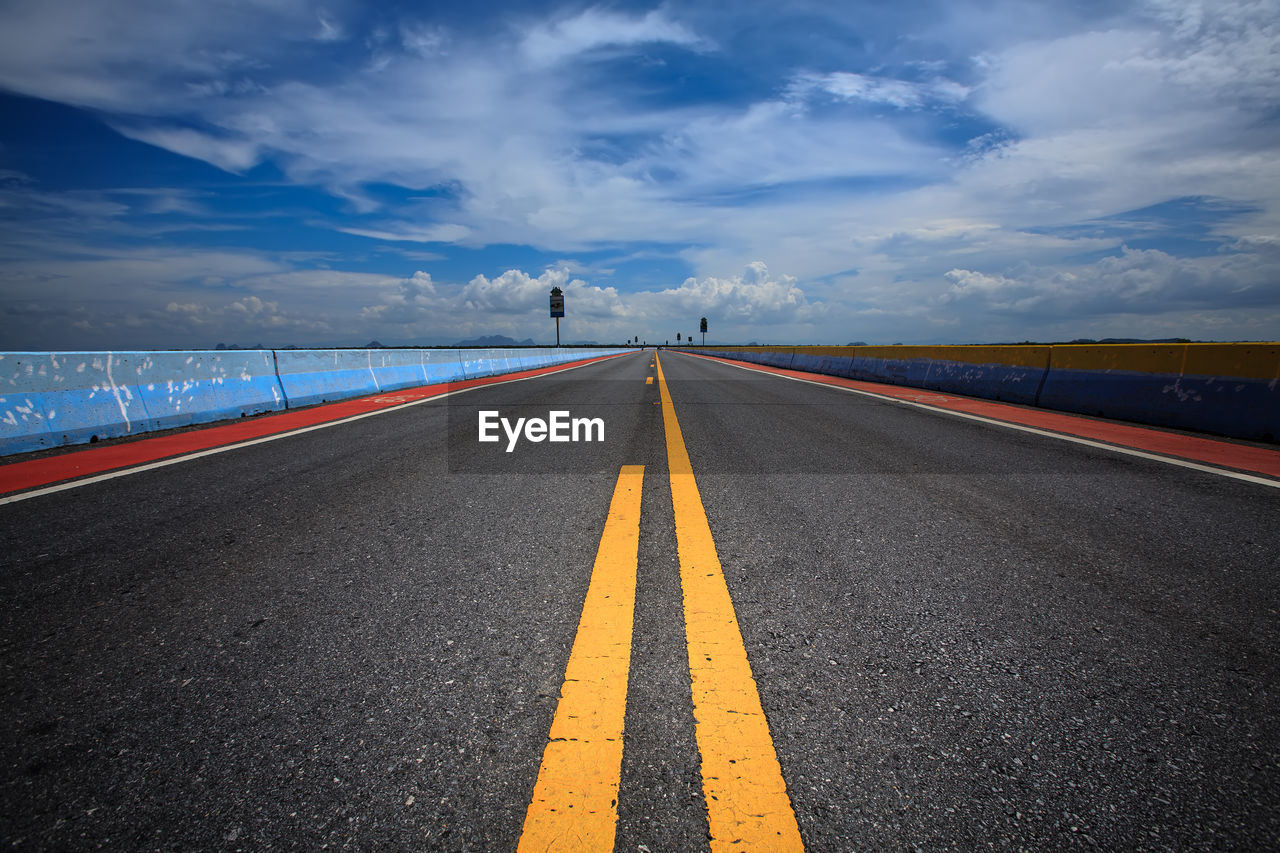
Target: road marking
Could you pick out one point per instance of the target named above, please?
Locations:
(915, 401)
(747, 803)
(17, 475)
(648, 380)
(575, 800)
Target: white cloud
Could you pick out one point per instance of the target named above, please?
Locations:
(512, 292)
(444, 232)
(231, 155)
(424, 41)
(1228, 46)
(193, 313)
(752, 297)
(138, 58)
(252, 306)
(596, 28)
(904, 94)
(515, 292)
(1262, 243)
(330, 30)
(1120, 284)
(770, 144)
(968, 282)
(515, 303)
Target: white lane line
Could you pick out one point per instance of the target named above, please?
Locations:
(1128, 451)
(124, 472)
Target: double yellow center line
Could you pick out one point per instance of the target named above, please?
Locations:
(575, 799)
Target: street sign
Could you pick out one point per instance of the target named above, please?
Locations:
(557, 305)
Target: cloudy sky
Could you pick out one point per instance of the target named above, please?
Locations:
(179, 173)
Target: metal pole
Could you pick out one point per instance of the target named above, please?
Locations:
(557, 331)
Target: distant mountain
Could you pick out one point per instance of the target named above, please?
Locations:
(1103, 341)
(495, 341)
(1144, 341)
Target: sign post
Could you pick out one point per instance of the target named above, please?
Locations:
(557, 309)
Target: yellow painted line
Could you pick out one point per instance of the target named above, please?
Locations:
(575, 800)
(747, 803)
(648, 380)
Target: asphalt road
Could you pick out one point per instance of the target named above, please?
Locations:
(963, 636)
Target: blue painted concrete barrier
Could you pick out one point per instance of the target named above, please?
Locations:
(179, 389)
(477, 364)
(996, 373)
(1243, 408)
(407, 368)
(51, 399)
(1227, 389)
(316, 376)
(319, 376)
(1007, 383)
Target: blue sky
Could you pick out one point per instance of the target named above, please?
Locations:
(178, 174)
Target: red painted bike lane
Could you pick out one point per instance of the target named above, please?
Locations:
(76, 464)
(1226, 454)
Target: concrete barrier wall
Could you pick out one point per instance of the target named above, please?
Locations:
(480, 363)
(1012, 374)
(51, 399)
(309, 377)
(1228, 389)
(316, 376)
